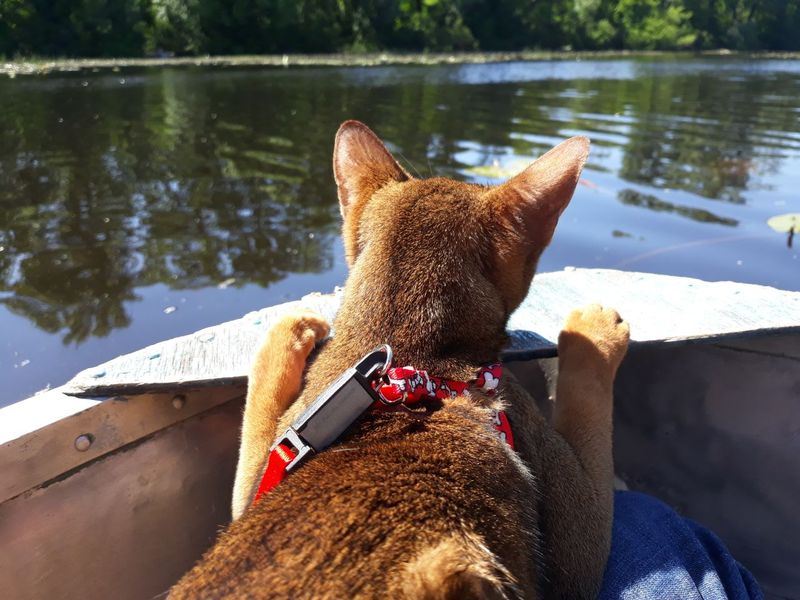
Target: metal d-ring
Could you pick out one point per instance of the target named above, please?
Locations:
(387, 364)
(377, 363)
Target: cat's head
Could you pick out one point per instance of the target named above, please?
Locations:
(443, 252)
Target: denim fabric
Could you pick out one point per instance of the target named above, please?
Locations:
(658, 555)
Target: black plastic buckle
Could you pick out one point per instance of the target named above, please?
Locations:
(335, 409)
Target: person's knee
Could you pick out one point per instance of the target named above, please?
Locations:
(657, 554)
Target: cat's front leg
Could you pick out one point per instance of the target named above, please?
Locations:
(591, 347)
(275, 382)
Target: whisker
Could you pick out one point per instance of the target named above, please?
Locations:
(408, 162)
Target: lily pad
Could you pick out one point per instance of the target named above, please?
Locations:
(498, 171)
(785, 223)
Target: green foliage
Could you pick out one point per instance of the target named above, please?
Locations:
(654, 25)
(431, 25)
(594, 22)
(189, 27)
(176, 27)
(74, 27)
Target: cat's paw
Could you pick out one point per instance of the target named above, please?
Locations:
(594, 335)
(302, 329)
(285, 351)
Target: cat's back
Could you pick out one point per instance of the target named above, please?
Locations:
(355, 518)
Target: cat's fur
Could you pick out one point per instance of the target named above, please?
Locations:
(433, 507)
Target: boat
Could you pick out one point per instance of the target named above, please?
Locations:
(115, 483)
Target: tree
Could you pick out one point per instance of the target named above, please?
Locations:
(654, 24)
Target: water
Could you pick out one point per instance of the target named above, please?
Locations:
(141, 205)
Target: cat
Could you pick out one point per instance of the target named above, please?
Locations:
(429, 503)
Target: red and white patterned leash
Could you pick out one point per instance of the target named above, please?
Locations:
(407, 385)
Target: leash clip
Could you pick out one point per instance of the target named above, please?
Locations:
(336, 408)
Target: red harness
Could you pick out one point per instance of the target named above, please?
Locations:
(403, 385)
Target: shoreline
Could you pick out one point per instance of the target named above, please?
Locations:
(38, 66)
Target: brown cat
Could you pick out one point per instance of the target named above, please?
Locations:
(404, 506)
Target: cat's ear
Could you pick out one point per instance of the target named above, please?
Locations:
(527, 207)
(536, 197)
(361, 164)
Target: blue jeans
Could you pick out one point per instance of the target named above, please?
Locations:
(658, 555)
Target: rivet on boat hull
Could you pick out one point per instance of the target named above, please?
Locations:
(178, 401)
(83, 442)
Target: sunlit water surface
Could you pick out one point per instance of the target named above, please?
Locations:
(141, 205)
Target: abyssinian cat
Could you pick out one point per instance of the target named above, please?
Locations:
(429, 502)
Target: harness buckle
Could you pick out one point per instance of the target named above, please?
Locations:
(336, 408)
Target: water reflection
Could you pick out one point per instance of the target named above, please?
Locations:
(105, 191)
(634, 198)
(111, 182)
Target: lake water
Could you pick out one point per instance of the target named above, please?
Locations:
(141, 205)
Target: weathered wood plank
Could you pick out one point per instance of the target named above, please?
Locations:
(45, 454)
(660, 308)
(126, 526)
(39, 411)
(215, 355)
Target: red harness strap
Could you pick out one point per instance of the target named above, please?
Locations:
(278, 460)
(503, 427)
(404, 385)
